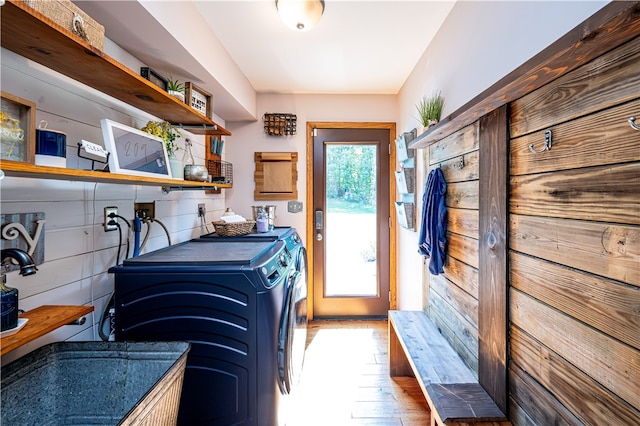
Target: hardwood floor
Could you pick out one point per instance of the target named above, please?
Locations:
(345, 380)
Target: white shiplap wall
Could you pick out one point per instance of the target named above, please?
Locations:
(78, 253)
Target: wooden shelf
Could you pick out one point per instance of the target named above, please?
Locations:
(36, 37)
(42, 320)
(18, 169)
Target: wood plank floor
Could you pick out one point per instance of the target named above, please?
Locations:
(345, 380)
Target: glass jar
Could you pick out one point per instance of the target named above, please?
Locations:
(262, 221)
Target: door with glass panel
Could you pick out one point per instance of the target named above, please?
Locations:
(351, 222)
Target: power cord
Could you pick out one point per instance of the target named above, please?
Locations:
(203, 222)
(166, 231)
(147, 222)
(112, 216)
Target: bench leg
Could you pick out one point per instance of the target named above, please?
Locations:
(398, 364)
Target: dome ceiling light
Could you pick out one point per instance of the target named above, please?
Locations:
(300, 15)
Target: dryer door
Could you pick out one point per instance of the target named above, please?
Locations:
(293, 332)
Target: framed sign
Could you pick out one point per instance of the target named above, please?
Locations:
(154, 77)
(134, 152)
(198, 99)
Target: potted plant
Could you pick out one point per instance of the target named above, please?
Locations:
(168, 133)
(430, 109)
(175, 88)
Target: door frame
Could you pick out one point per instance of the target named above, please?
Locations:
(392, 190)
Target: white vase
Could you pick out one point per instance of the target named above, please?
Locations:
(177, 169)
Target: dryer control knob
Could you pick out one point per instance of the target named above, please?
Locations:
(283, 260)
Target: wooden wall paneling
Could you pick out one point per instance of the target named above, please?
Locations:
(609, 80)
(589, 401)
(613, 364)
(465, 304)
(463, 248)
(461, 168)
(463, 275)
(461, 142)
(518, 416)
(613, 25)
(463, 222)
(464, 195)
(459, 332)
(609, 306)
(540, 406)
(605, 194)
(600, 139)
(492, 238)
(612, 251)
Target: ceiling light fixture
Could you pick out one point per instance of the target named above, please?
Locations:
(300, 15)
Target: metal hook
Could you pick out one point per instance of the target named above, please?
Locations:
(548, 142)
(460, 164)
(632, 122)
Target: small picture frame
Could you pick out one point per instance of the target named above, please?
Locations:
(198, 99)
(134, 152)
(154, 77)
(17, 129)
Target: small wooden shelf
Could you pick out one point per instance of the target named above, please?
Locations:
(18, 169)
(42, 320)
(36, 37)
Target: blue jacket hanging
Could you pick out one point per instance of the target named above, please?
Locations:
(433, 229)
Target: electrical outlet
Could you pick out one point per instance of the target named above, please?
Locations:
(144, 210)
(202, 210)
(108, 212)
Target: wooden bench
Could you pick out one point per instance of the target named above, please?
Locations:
(417, 349)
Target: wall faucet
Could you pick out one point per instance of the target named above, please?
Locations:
(27, 265)
(8, 295)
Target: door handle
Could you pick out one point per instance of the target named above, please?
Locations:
(319, 236)
(319, 219)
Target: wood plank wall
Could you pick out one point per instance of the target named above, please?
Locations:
(575, 247)
(453, 296)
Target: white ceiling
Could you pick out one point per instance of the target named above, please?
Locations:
(359, 46)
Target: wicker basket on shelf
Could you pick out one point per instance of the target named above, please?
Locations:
(233, 229)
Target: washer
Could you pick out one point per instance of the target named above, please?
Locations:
(293, 328)
(239, 304)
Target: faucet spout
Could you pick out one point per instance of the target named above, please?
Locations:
(27, 265)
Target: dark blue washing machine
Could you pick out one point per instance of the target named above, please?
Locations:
(292, 342)
(241, 304)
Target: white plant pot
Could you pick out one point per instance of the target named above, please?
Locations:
(177, 168)
(177, 95)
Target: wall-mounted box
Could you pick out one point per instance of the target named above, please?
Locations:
(276, 176)
(406, 214)
(406, 180)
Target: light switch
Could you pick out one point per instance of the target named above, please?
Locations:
(294, 206)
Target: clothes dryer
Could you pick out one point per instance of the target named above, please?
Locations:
(231, 301)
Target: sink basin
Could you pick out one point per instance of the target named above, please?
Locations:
(95, 383)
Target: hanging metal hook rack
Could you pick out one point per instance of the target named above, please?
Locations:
(167, 189)
(197, 126)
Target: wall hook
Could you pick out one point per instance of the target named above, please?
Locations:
(632, 122)
(548, 142)
(460, 164)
